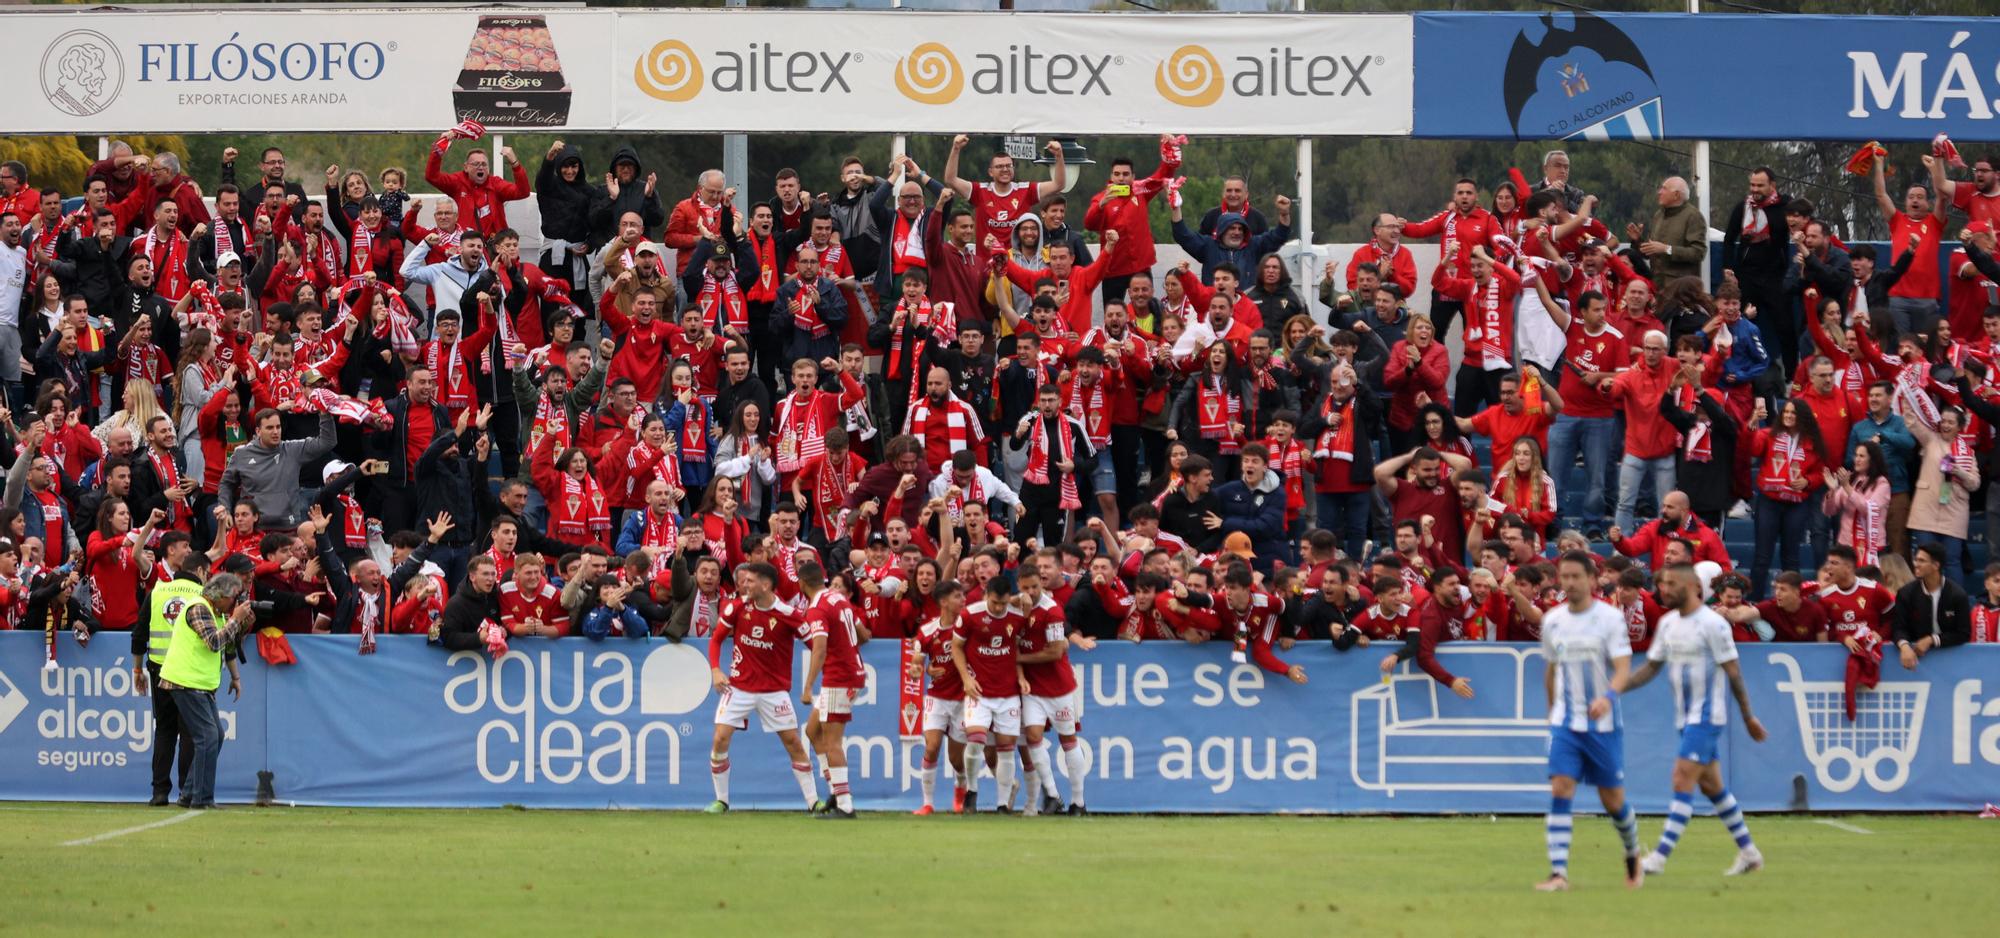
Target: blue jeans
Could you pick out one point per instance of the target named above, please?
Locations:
(453, 561)
(1346, 514)
(1913, 315)
(1631, 472)
(199, 721)
(1597, 437)
(1781, 525)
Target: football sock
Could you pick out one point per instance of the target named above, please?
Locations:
(1073, 766)
(842, 798)
(1677, 820)
(975, 760)
(1731, 816)
(1048, 773)
(1558, 835)
(929, 778)
(803, 771)
(1003, 773)
(1628, 827)
(718, 772)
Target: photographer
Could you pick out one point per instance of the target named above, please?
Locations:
(193, 670)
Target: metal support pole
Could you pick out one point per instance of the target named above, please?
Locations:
(1701, 199)
(1302, 221)
(736, 169)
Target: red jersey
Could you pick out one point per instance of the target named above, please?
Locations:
(516, 608)
(991, 643)
(1260, 621)
(1802, 625)
(1045, 627)
(833, 615)
(1385, 627)
(935, 640)
(1505, 428)
(1971, 292)
(1920, 282)
(1640, 619)
(705, 360)
(1977, 205)
(1863, 604)
(1476, 227)
(996, 214)
(1605, 351)
(760, 658)
(1985, 623)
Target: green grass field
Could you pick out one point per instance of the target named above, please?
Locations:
(548, 873)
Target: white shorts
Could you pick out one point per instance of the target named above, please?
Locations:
(773, 709)
(946, 715)
(835, 704)
(1002, 715)
(1063, 714)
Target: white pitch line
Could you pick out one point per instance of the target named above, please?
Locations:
(176, 819)
(1844, 826)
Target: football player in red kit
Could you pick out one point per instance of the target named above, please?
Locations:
(1053, 699)
(944, 699)
(985, 652)
(759, 679)
(838, 658)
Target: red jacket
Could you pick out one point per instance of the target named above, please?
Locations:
(683, 229)
(1652, 539)
(1475, 227)
(479, 206)
(1401, 269)
(184, 194)
(1126, 214)
(1647, 434)
(1405, 382)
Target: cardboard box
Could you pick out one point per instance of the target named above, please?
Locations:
(512, 77)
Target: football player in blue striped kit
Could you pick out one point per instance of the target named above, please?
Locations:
(1692, 644)
(1589, 657)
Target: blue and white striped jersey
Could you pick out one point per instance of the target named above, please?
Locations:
(1692, 649)
(1582, 647)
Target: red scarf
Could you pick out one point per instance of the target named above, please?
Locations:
(353, 521)
(804, 425)
(958, 421)
(225, 239)
(806, 316)
(550, 417)
(1756, 221)
(974, 491)
(359, 249)
(454, 387)
(642, 464)
(1492, 335)
(1289, 459)
(502, 561)
(830, 484)
(581, 514)
(1337, 440)
(711, 215)
(1867, 531)
(1090, 407)
(1216, 409)
(765, 290)
(695, 431)
(170, 279)
(169, 476)
(906, 245)
(666, 532)
(721, 302)
(1041, 462)
(917, 319)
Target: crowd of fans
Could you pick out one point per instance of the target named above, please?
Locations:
(384, 424)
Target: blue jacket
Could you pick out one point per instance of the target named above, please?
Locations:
(694, 472)
(1747, 358)
(1260, 514)
(1898, 447)
(1210, 251)
(597, 624)
(634, 531)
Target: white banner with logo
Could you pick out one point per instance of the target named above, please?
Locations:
(771, 70)
(366, 70)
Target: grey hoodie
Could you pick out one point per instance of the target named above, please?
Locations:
(268, 476)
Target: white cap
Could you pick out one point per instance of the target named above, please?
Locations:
(227, 258)
(333, 468)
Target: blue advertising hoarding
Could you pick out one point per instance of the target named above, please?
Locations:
(577, 724)
(1577, 75)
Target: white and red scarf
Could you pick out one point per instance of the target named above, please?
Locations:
(169, 257)
(1087, 403)
(360, 247)
(802, 422)
(906, 243)
(454, 386)
(722, 304)
(353, 521)
(581, 514)
(959, 421)
(550, 417)
(695, 432)
(663, 532)
(1867, 531)
(1043, 459)
(973, 491)
(1757, 218)
(830, 483)
(805, 313)
(765, 290)
(1215, 410)
(1337, 440)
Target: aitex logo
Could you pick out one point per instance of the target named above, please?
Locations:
(930, 74)
(672, 71)
(1193, 77)
(1190, 77)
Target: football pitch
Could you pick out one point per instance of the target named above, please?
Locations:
(106, 869)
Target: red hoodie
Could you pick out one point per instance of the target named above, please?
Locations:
(483, 205)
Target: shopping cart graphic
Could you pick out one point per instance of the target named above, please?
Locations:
(1411, 734)
(1879, 744)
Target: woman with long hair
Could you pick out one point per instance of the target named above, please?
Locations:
(637, 458)
(1271, 289)
(723, 528)
(1158, 393)
(347, 199)
(1859, 498)
(1684, 307)
(140, 407)
(1789, 455)
(140, 361)
(743, 455)
(1414, 376)
(201, 378)
(1439, 431)
(1167, 478)
(690, 424)
(1833, 339)
(579, 510)
(47, 316)
(1210, 413)
(1526, 487)
(1507, 208)
(111, 562)
(1941, 496)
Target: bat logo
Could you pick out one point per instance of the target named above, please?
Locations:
(1581, 75)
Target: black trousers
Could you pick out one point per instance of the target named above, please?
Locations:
(170, 739)
(1154, 442)
(1042, 516)
(506, 428)
(1125, 465)
(768, 346)
(1443, 311)
(1476, 388)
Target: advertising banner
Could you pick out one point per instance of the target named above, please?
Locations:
(152, 71)
(1575, 75)
(921, 72)
(577, 724)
